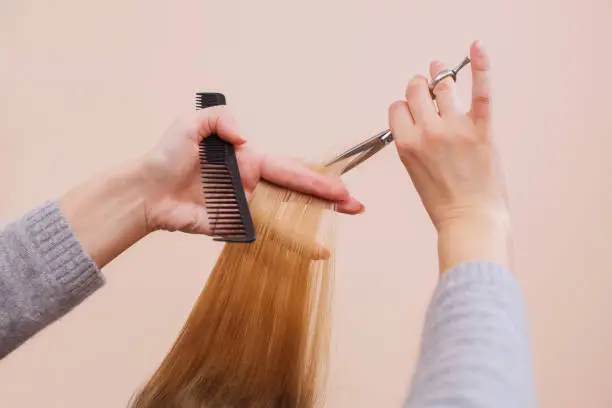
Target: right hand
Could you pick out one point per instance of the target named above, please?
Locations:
(450, 157)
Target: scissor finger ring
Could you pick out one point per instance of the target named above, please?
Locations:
(442, 75)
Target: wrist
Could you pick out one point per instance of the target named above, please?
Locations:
(483, 236)
(144, 189)
(493, 220)
(107, 212)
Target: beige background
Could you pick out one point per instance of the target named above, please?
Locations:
(88, 84)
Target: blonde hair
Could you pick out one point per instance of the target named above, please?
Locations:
(258, 336)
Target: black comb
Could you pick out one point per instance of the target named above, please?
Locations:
(226, 203)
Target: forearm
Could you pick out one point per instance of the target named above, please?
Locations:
(107, 212)
(44, 272)
(475, 237)
(475, 348)
(50, 258)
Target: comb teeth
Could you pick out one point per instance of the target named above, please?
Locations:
(226, 203)
(208, 99)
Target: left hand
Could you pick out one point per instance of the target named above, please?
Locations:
(175, 201)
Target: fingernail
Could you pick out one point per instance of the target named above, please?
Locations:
(358, 205)
(241, 139)
(478, 46)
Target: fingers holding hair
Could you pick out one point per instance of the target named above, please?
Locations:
(295, 176)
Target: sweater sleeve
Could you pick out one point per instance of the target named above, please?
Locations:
(475, 350)
(44, 273)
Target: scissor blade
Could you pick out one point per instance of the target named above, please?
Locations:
(363, 157)
(380, 139)
(363, 151)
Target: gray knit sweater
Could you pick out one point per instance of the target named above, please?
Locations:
(475, 350)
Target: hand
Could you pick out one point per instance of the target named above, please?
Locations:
(175, 200)
(450, 157)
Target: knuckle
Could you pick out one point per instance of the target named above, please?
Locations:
(412, 91)
(316, 185)
(433, 131)
(402, 144)
(482, 99)
(436, 67)
(467, 136)
(406, 146)
(395, 107)
(443, 86)
(463, 132)
(420, 79)
(481, 65)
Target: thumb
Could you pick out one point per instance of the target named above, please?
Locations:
(188, 217)
(201, 223)
(218, 120)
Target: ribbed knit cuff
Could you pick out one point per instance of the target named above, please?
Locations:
(473, 282)
(475, 349)
(483, 272)
(70, 269)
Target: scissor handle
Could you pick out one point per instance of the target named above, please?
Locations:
(374, 144)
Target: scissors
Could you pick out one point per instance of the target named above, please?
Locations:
(368, 148)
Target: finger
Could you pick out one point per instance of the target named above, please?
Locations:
(446, 95)
(419, 100)
(297, 177)
(351, 206)
(302, 179)
(218, 120)
(402, 125)
(481, 98)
